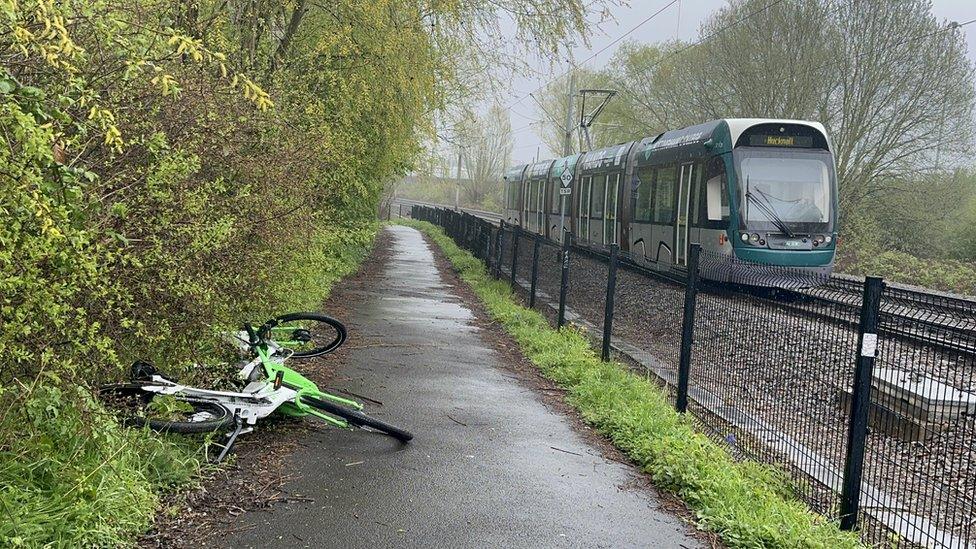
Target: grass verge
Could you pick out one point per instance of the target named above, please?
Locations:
(747, 504)
(71, 476)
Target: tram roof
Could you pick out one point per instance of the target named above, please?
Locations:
(720, 135)
(674, 145)
(539, 169)
(607, 157)
(564, 163)
(515, 172)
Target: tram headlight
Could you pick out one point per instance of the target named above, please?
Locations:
(819, 239)
(754, 237)
(745, 237)
(827, 239)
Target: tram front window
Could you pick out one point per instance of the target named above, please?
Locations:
(785, 190)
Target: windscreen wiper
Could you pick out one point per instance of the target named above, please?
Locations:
(782, 223)
(767, 208)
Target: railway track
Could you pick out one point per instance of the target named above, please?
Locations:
(934, 319)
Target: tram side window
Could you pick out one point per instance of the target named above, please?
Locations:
(697, 194)
(642, 201)
(512, 199)
(667, 179)
(584, 203)
(716, 193)
(612, 190)
(598, 196)
(553, 195)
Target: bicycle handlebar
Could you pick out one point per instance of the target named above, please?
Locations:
(263, 331)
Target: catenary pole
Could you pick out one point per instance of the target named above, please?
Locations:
(457, 186)
(567, 143)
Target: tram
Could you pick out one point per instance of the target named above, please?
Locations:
(760, 190)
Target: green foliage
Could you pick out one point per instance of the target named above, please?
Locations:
(876, 247)
(747, 504)
(70, 476)
(172, 169)
(941, 274)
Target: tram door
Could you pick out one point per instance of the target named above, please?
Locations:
(610, 210)
(682, 219)
(583, 227)
(540, 203)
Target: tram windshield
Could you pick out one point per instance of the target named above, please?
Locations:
(785, 191)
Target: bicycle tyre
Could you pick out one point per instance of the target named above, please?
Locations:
(220, 417)
(357, 418)
(339, 328)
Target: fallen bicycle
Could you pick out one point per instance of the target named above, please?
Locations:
(165, 405)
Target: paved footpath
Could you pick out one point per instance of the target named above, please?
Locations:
(481, 470)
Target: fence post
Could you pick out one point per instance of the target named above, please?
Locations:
(564, 280)
(536, 242)
(516, 236)
(500, 252)
(857, 430)
(608, 305)
(487, 240)
(687, 329)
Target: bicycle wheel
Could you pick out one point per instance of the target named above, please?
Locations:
(357, 418)
(173, 414)
(308, 334)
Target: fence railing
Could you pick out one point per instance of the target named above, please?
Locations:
(863, 393)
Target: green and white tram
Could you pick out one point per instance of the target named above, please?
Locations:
(761, 190)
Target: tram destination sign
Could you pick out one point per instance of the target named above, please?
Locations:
(781, 141)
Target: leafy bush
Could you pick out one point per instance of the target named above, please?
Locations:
(747, 504)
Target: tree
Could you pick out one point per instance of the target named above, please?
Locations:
(486, 148)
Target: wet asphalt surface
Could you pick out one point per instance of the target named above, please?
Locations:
(481, 470)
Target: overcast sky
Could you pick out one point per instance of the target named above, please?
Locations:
(680, 20)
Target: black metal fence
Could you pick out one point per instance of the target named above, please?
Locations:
(863, 393)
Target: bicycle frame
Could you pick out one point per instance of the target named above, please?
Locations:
(282, 388)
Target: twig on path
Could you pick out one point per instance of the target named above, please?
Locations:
(241, 528)
(298, 500)
(350, 393)
(628, 463)
(456, 421)
(567, 451)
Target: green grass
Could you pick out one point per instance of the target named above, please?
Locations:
(747, 504)
(70, 476)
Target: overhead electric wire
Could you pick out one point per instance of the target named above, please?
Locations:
(594, 54)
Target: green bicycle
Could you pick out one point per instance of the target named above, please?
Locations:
(165, 405)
